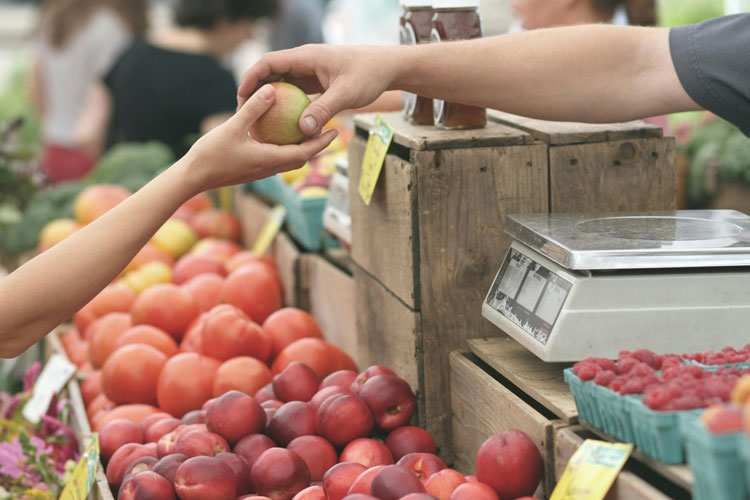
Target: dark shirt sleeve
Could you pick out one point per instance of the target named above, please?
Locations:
(219, 95)
(712, 60)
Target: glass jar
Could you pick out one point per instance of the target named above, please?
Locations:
(416, 26)
(456, 20)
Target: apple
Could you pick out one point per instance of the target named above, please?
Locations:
(241, 470)
(423, 465)
(443, 482)
(394, 482)
(292, 420)
(510, 463)
(368, 452)
(318, 454)
(474, 491)
(363, 483)
(326, 393)
(192, 417)
(410, 439)
(297, 382)
(235, 415)
(339, 478)
(265, 393)
(252, 446)
(139, 465)
(279, 474)
(146, 485)
(116, 434)
(366, 375)
(196, 443)
(151, 419)
(390, 399)
(311, 493)
(202, 478)
(280, 124)
(168, 465)
(343, 378)
(160, 428)
(343, 418)
(121, 459)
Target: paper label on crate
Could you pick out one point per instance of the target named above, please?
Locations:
(380, 139)
(83, 476)
(270, 230)
(51, 380)
(592, 470)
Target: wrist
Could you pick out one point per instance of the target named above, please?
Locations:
(401, 60)
(187, 175)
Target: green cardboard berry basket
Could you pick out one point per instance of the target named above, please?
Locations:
(658, 434)
(716, 462)
(586, 401)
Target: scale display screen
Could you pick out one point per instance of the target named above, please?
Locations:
(528, 294)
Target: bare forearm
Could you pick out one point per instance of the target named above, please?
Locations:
(50, 288)
(594, 73)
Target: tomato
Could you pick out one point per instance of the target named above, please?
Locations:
(114, 298)
(104, 334)
(78, 353)
(131, 373)
(216, 224)
(165, 306)
(228, 332)
(241, 258)
(199, 202)
(205, 290)
(322, 357)
(244, 374)
(91, 387)
(193, 339)
(192, 265)
(186, 382)
(101, 402)
(135, 413)
(254, 289)
(149, 335)
(288, 325)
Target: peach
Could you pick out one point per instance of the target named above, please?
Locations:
(139, 465)
(204, 478)
(280, 124)
(443, 483)
(192, 265)
(228, 333)
(343, 378)
(319, 398)
(410, 439)
(151, 447)
(116, 434)
(390, 399)
(292, 420)
(192, 417)
(135, 413)
(216, 224)
(221, 249)
(167, 466)
(363, 483)
(367, 374)
(192, 341)
(234, 416)
(298, 382)
(252, 446)
(96, 200)
(241, 470)
(185, 382)
(255, 290)
(205, 290)
(288, 325)
(196, 443)
(149, 335)
(103, 334)
(510, 463)
(165, 306)
(423, 465)
(265, 393)
(131, 374)
(91, 387)
(242, 373)
(394, 482)
(121, 459)
(342, 419)
(721, 419)
(311, 493)
(279, 474)
(339, 478)
(114, 298)
(368, 452)
(318, 454)
(158, 429)
(152, 419)
(146, 485)
(474, 491)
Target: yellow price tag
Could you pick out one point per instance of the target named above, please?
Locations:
(380, 139)
(84, 474)
(592, 470)
(270, 230)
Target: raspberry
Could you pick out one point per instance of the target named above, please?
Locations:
(633, 386)
(605, 364)
(687, 403)
(712, 401)
(616, 385)
(604, 377)
(694, 371)
(586, 371)
(625, 365)
(641, 370)
(714, 387)
(645, 356)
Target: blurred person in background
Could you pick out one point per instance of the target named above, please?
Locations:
(171, 86)
(535, 14)
(299, 22)
(76, 43)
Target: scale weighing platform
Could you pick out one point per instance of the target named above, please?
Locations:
(576, 285)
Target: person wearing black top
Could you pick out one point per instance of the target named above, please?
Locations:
(171, 87)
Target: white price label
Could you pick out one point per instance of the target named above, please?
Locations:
(51, 380)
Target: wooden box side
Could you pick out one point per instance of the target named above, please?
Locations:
(464, 196)
(617, 176)
(384, 239)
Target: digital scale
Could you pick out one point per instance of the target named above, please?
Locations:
(576, 285)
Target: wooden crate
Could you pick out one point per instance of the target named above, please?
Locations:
(427, 245)
(613, 167)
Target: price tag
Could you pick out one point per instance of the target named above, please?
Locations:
(270, 230)
(592, 470)
(84, 474)
(51, 380)
(380, 139)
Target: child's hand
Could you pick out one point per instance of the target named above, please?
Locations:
(228, 155)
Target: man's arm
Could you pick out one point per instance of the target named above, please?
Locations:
(596, 73)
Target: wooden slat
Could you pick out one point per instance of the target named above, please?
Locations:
(482, 407)
(252, 213)
(619, 176)
(627, 486)
(542, 381)
(332, 304)
(287, 257)
(427, 137)
(556, 133)
(384, 242)
(464, 196)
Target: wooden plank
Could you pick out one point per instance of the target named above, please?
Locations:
(482, 407)
(384, 242)
(287, 257)
(619, 176)
(556, 133)
(627, 486)
(464, 196)
(252, 213)
(427, 137)
(332, 304)
(388, 331)
(542, 381)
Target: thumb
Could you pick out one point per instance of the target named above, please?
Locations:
(256, 105)
(320, 111)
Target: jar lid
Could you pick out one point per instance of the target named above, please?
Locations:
(415, 3)
(455, 4)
